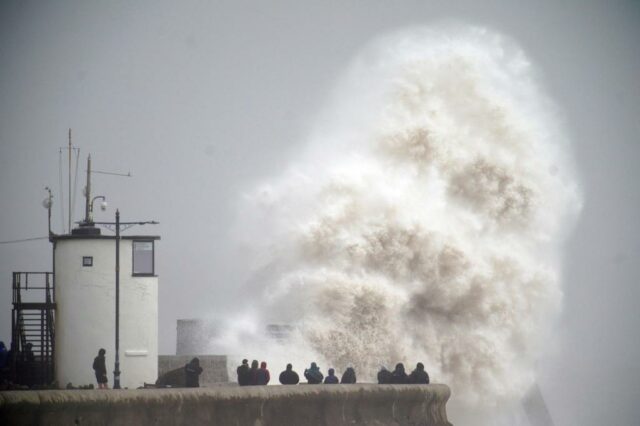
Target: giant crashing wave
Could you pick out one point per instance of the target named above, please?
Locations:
(425, 219)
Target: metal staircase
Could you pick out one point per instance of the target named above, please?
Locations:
(32, 327)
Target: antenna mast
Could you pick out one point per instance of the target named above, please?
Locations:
(87, 194)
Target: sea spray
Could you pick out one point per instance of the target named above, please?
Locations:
(424, 222)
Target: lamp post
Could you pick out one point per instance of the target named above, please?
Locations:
(125, 225)
(116, 371)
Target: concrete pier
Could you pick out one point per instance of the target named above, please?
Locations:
(308, 405)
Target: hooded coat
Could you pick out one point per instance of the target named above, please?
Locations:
(399, 376)
(262, 375)
(244, 375)
(331, 379)
(313, 374)
(253, 373)
(289, 377)
(100, 367)
(192, 373)
(349, 376)
(384, 376)
(419, 376)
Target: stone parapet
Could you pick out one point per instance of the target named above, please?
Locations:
(308, 405)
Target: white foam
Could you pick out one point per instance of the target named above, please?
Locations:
(425, 221)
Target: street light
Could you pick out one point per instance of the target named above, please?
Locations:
(103, 206)
(125, 225)
(47, 203)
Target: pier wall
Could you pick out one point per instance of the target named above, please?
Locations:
(309, 405)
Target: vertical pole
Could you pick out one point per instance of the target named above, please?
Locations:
(116, 372)
(69, 181)
(49, 204)
(87, 207)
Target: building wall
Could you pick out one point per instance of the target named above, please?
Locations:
(85, 314)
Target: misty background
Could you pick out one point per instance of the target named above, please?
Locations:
(203, 100)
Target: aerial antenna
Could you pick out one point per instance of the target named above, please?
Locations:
(70, 193)
(71, 198)
(88, 207)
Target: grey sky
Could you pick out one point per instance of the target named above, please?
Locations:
(202, 99)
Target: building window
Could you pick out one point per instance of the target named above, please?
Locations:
(143, 262)
(87, 260)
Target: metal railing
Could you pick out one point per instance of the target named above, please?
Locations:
(32, 325)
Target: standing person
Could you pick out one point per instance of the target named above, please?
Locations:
(313, 374)
(244, 375)
(192, 373)
(384, 376)
(4, 355)
(331, 379)
(349, 376)
(289, 377)
(28, 353)
(100, 368)
(4, 363)
(253, 373)
(399, 376)
(418, 375)
(263, 375)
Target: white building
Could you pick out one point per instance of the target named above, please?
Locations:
(84, 268)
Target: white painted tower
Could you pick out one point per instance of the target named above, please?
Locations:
(85, 315)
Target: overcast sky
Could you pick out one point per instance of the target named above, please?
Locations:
(200, 100)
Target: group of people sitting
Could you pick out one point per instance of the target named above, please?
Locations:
(256, 376)
(398, 376)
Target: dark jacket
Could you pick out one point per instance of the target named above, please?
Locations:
(399, 376)
(4, 355)
(244, 375)
(384, 376)
(349, 376)
(263, 376)
(253, 373)
(289, 377)
(419, 376)
(331, 379)
(100, 368)
(313, 374)
(192, 373)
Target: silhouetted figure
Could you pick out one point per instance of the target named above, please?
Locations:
(331, 379)
(349, 376)
(419, 376)
(4, 355)
(100, 368)
(399, 376)
(244, 375)
(384, 376)
(13, 359)
(313, 374)
(4, 363)
(263, 375)
(28, 353)
(253, 373)
(192, 373)
(289, 377)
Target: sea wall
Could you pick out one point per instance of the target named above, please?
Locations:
(308, 405)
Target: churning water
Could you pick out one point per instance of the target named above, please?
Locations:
(424, 221)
